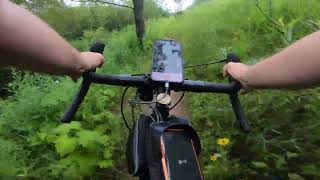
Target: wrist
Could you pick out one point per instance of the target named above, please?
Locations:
(79, 66)
(248, 75)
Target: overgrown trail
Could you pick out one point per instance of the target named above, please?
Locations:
(181, 110)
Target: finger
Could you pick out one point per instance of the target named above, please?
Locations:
(100, 60)
(245, 91)
(225, 70)
(74, 78)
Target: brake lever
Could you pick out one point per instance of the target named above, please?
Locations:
(237, 109)
(83, 90)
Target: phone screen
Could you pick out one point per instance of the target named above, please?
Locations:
(179, 157)
(167, 61)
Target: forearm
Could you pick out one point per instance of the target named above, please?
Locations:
(33, 44)
(296, 66)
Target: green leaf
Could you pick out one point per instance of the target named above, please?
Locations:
(85, 163)
(259, 164)
(280, 162)
(42, 135)
(310, 170)
(291, 155)
(8, 161)
(65, 128)
(65, 145)
(51, 138)
(109, 92)
(90, 139)
(107, 153)
(105, 164)
(293, 176)
(34, 140)
(71, 172)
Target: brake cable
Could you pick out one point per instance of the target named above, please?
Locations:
(122, 99)
(181, 97)
(206, 64)
(133, 103)
(197, 65)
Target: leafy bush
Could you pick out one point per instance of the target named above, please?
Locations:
(72, 22)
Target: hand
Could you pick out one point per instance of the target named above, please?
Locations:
(91, 60)
(239, 72)
(87, 61)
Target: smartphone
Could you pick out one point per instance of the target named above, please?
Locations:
(167, 61)
(179, 159)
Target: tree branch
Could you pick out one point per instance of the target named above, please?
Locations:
(105, 2)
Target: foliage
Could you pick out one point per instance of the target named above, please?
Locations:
(285, 137)
(72, 22)
(5, 79)
(39, 5)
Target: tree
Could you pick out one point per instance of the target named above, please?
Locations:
(38, 5)
(138, 11)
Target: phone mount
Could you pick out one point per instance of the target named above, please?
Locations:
(167, 61)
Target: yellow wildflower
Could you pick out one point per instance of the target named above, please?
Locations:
(213, 158)
(223, 141)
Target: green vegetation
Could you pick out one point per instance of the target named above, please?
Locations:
(285, 134)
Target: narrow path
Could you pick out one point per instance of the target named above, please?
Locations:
(181, 110)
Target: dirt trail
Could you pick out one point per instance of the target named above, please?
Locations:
(181, 109)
